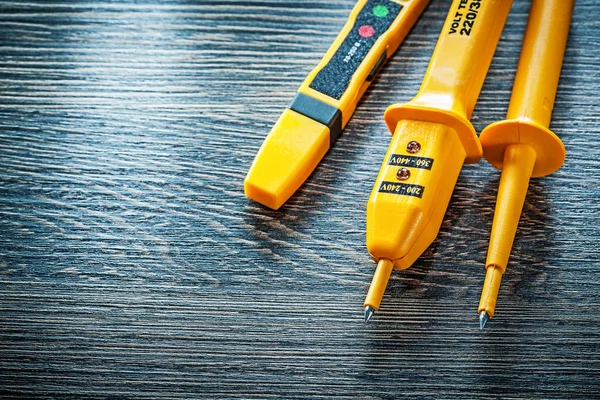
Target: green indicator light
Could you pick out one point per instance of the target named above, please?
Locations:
(380, 11)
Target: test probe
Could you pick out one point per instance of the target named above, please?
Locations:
(522, 146)
(432, 138)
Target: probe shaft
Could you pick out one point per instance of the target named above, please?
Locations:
(522, 145)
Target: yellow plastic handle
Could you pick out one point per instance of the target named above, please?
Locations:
(533, 94)
(541, 61)
(462, 56)
(457, 70)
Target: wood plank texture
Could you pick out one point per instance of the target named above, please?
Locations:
(132, 265)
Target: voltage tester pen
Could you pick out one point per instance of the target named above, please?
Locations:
(432, 138)
(328, 97)
(522, 146)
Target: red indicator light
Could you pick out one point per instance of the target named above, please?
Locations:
(366, 31)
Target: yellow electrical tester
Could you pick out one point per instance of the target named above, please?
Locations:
(522, 146)
(432, 138)
(328, 97)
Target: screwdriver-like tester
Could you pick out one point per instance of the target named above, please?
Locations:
(328, 97)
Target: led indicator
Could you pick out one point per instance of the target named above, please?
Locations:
(381, 11)
(366, 31)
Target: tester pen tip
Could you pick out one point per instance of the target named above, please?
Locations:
(369, 311)
(483, 319)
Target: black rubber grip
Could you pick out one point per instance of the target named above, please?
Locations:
(374, 19)
(320, 112)
(377, 67)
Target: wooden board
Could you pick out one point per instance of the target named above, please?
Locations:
(132, 265)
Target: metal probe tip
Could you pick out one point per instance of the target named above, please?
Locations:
(483, 319)
(369, 311)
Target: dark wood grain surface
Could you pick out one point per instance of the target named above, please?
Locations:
(132, 265)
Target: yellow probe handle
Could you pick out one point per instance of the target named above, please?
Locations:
(541, 60)
(462, 56)
(522, 145)
(457, 70)
(432, 139)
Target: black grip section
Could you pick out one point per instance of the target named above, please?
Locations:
(377, 67)
(374, 19)
(320, 112)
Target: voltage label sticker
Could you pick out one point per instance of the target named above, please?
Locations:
(404, 189)
(465, 17)
(410, 161)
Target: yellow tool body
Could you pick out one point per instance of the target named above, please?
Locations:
(328, 97)
(522, 145)
(432, 138)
